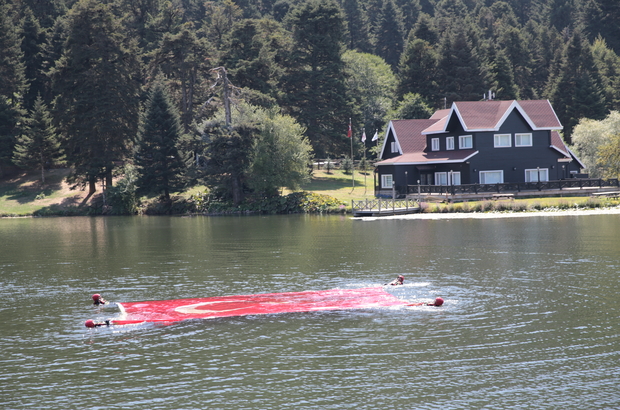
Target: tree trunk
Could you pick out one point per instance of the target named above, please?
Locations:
(92, 186)
(236, 190)
(108, 178)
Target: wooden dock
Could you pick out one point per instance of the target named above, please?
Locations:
(384, 207)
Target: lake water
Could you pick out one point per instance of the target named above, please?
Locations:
(530, 319)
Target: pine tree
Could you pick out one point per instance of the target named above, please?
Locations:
(33, 40)
(96, 94)
(358, 26)
(418, 69)
(459, 76)
(390, 37)
(38, 146)
(577, 90)
(255, 52)
(182, 57)
(314, 88)
(160, 166)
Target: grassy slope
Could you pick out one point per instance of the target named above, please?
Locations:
(24, 194)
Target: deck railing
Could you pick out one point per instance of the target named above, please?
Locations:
(379, 204)
(513, 186)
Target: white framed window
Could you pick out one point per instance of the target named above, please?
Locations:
(441, 178)
(450, 143)
(434, 144)
(536, 175)
(447, 178)
(491, 177)
(466, 142)
(455, 178)
(523, 140)
(386, 181)
(394, 147)
(502, 140)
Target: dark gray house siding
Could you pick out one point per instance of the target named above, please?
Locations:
(513, 162)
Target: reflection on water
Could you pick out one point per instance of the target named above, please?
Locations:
(530, 318)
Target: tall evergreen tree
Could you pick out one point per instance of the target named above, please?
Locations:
(96, 87)
(229, 153)
(314, 88)
(460, 76)
(390, 38)
(424, 29)
(418, 70)
(38, 146)
(608, 64)
(160, 166)
(182, 57)
(12, 85)
(609, 25)
(577, 91)
(255, 53)
(502, 77)
(410, 11)
(358, 26)
(33, 40)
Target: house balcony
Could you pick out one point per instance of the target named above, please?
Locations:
(563, 187)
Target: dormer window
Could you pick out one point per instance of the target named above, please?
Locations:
(523, 140)
(502, 140)
(466, 142)
(450, 143)
(435, 144)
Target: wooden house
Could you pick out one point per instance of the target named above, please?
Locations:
(476, 142)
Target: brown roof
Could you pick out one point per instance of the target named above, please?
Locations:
(430, 157)
(409, 134)
(474, 116)
(490, 115)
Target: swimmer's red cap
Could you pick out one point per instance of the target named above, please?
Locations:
(96, 297)
(89, 323)
(438, 301)
(401, 277)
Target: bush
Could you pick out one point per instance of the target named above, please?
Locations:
(297, 202)
(121, 199)
(347, 165)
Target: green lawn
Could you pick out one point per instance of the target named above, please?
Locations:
(24, 194)
(341, 186)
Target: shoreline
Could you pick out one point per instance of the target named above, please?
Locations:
(493, 215)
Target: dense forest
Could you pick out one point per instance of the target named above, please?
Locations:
(240, 95)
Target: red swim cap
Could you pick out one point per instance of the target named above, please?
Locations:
(89, 323)
(438, 301)
(401, 277)
(96, 297)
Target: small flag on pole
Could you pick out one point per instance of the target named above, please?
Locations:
(364, 136)
(376, 136)
(349, 132)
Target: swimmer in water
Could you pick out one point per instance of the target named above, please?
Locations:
(398, 281)
(98, 300)
(91, 323)
(437, 302)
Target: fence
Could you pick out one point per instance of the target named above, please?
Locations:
(381, 204)
(513, 186)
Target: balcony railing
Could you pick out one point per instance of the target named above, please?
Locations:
(503, 187)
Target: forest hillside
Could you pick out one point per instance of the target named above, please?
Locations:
(242, 94)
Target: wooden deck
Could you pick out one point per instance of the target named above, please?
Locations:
(384, 207)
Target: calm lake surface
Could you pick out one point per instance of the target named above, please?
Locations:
(531, 319)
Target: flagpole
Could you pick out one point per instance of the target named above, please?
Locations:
(352, 162)
(364, 141)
